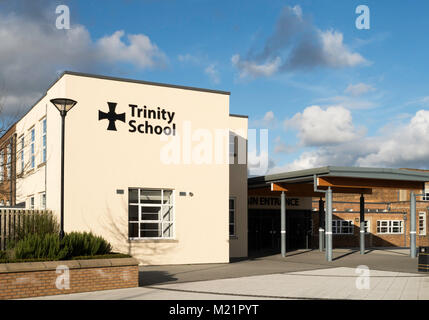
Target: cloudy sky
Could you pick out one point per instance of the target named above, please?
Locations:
(329, 93)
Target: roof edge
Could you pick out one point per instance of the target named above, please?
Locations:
(159, 84)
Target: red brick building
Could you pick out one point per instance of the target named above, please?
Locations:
(8, 168)
(387, 212)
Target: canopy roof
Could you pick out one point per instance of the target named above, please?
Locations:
(340, 179)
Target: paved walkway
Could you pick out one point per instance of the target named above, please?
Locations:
(302, 275)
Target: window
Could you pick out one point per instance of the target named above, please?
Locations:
(390, 226)
(150, 213)
(232, 216)
(426, 194)
(1, 165)
(8, 161)
(232, 148)
(367, 226)
(32, 149)
(31, 202)
(22, 155)
(342, 226)
(43, 140)
(43, 200)
(422, 223)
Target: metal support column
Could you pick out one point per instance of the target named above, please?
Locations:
(283, 223)
(362, 224)
(412, 225)
(321, 224)
(328, 225)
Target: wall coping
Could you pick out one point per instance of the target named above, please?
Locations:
(71, 264)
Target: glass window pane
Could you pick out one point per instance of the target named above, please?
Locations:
(168, 197)
(133, 195)
(167, 213)
(133, 213)
(231, 229)
(167, 230)
(231, 203)
(133, 230)
(231, 216)
(150, 196)
(149, 234)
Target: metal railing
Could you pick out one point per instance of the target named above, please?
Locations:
(13, 220)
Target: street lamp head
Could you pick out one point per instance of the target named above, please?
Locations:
(63, 104)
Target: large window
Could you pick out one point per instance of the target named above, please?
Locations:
(150, 213)
(43, 140)
(32, 149)
(390, 226)
(232, 216)
(422, 223)
(342, 226)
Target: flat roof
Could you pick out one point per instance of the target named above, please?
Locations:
(302, 176)
(97, 76)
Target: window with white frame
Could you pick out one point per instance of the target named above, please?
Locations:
(367, 226)
(43, 200)
(232, 148)
(22, 154)
(31, 202)
(390, 226)
(232, 216)
(422, 223)
(426, 193)
(43, 140)
(8, 161)
(32, 148)
(150, 213)
(2, 165)
(342, 226)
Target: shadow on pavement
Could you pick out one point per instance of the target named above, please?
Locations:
(147, 278)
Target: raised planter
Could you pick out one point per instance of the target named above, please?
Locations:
(33, 279)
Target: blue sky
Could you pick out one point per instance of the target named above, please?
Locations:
(329, 93)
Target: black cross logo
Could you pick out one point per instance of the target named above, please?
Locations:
(112, 116)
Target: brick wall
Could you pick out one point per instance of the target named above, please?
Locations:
(24, 280)
(392, 204)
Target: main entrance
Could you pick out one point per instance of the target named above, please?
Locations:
(264, 230)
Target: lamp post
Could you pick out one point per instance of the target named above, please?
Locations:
(63, 105)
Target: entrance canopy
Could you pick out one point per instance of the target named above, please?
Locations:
(340, 179)
(324, 181)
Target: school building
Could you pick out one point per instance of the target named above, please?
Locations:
(160, 171)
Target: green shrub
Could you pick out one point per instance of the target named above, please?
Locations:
(37, 223)
(48, 246)
(85, 244)
(36, 246)
(3, 255)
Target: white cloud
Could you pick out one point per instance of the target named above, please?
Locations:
(406, 146)
(318, 127)
(335, 53)
(296, 44)
(358, 89)
(140, 51)
(267, 121)
(33, 52)
(396, 146)
(252, 69)
(213, 73)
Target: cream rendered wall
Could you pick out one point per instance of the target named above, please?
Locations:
(33, 182)
(238, 188)
(98, 162)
